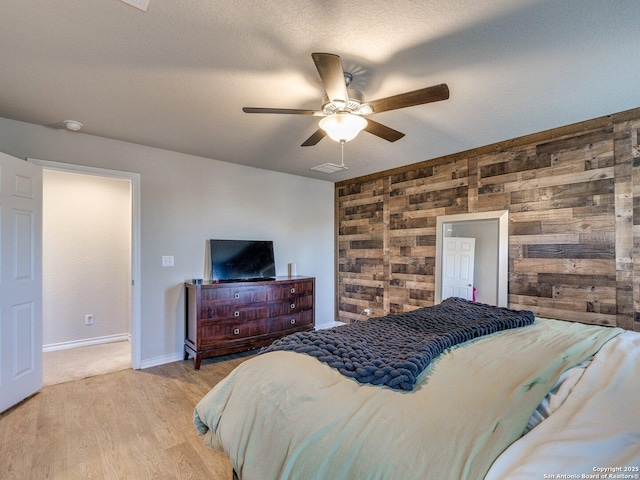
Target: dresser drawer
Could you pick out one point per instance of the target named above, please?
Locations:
(216, 332)
(237, 312)
(290, 291)
(234, 294)
(291, 322)
(292, 305)
(247, 312)
(231, 295)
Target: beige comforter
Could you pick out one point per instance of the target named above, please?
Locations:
(287, 415)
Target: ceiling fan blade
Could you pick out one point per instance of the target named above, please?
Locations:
(315, 138)
(292, 111)
(409, 99)
(382, 131)
(330, 70)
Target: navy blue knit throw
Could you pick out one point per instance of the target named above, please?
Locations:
(394, 349)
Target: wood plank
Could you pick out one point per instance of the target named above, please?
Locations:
(565, 238)
(560, 214)
(50, 434)
(578, 206)
(568, 315)
(517, 162)
(577, 280)
(585, 292)
(472, 191)
(582, 251)
(358, 201)
(18, 427)
(564, 175)
(82, 439)
(576, 141)
(565, 266)
(589, 188)
(562, 164)
(592, 225)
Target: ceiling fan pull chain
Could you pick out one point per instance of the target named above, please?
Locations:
(342, 148)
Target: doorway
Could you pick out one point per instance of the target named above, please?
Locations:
(88, 325)
(491, 233)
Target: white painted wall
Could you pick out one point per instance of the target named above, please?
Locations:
(86, 257)
(187, 199)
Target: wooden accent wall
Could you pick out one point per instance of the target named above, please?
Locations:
(573, 196)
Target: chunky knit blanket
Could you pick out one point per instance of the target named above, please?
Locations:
(394, 349)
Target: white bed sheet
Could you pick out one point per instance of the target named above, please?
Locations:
(596, 429)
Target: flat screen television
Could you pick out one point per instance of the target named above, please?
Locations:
(242, 260)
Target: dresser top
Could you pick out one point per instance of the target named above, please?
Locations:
(281, 278)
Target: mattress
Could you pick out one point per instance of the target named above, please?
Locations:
(287, 415)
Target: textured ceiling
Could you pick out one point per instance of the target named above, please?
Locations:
(177, 76)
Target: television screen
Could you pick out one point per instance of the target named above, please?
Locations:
(242, 260)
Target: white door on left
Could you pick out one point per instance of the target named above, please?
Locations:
(20, 280)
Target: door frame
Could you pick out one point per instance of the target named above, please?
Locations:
(501, 218)
(134, 178)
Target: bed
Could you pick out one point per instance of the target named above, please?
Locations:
(522, 398)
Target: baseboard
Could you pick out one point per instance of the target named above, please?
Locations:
(161, 360)
(52, 347)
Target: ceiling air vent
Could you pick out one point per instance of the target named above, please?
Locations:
(141, 4)
(329, 168)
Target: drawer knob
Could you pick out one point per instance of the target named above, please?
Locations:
(236, 314)
(236, 295)
(292, 321)
(293, 305)
(236, 331)
(293, 290)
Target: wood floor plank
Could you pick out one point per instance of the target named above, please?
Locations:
(82, 458)
(55, 469)
(127, 424)
(17, 436)
(50, 432)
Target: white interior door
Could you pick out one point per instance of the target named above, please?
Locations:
(458, 260)
(20, 280)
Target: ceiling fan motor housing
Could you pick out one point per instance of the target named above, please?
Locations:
(356, 104)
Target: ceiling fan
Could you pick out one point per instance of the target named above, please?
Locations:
(344, 109)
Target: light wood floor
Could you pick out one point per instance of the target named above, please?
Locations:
(123, 425)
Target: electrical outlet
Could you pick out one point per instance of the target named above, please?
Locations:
(167, 261)
(88, 319)
(367, 311)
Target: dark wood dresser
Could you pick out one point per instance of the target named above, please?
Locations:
(223, 318)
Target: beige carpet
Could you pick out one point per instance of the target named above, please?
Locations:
(75, 363)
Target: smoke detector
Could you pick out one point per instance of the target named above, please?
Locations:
(140, 4)
(72, 125)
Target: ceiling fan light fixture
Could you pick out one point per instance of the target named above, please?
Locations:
(343, 126)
